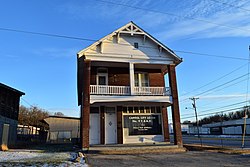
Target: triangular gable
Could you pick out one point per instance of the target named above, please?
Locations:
(132, 28)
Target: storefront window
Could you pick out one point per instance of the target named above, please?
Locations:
(136, 109)
(143, 124)
(147, 109)
(124, 109)
(141, 109)
(158, 109)
(130, 109)
(152, 109)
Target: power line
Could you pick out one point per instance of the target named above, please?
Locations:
(228, 86)
(220, 111)
(26, 102)
(217, 79)
(47, 34)
(217, 108)
(94, 40)
(210, 55)
(218, 86)
(172, 14)
(222, 107)
(223, 84)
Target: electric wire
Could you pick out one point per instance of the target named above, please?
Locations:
(209, 90)
(220, 111)
(95, 40)
(26, 102)
(202, 111)
(217, 79)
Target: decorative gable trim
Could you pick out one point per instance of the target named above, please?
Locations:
(132, 29)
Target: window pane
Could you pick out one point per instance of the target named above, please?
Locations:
(158, 109)
(136, 109)
(141, 109)
(136, 79)
(130, 109)
(102, 80)
(144, 80)
(147, 109)
(152, 109)
(124, 109)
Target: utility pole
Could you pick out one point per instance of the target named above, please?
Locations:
(247, 101)
(196, 116)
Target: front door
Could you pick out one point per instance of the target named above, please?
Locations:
(110, 126)
(94, 129)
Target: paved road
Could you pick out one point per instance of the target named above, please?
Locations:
(215, 141)
(187, 159)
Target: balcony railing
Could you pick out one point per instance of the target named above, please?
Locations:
(109, 90)
(125, 90)
(152, 91)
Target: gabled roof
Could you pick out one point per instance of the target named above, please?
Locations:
(132, 28)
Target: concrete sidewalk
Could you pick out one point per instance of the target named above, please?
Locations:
(135, 148)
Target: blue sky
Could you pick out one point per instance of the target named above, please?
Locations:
(45, 67)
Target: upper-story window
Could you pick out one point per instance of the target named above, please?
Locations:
(102, 76)
(136, 45)
(141, 79)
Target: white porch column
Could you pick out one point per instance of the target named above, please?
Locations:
(132, 78)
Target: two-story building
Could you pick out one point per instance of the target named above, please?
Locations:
(122, 90)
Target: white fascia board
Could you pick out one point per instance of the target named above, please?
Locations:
(158, 99)
(127, 59)
(83, 52)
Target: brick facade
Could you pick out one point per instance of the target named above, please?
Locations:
(85, 109)
(120, 76)
(119, 125)
(175, 106)
(102, 124)
(164, 113)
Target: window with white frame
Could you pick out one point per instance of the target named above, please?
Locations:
(102, 76)
(141, 79)
(141, 109)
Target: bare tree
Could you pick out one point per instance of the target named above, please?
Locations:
(33, 116)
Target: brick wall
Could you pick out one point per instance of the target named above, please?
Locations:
(120, 76)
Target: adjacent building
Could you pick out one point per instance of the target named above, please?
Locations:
(122, 90)
(63, 129)
(9, 109)
(231, 127)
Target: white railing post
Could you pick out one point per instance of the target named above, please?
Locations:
(126, 90)
(132, 77)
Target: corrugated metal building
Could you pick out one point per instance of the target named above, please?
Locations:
(63, 129)
(232, 127)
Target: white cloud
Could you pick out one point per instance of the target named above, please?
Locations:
(167, 26)
(214, 22)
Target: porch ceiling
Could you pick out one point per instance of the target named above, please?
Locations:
(162, 67)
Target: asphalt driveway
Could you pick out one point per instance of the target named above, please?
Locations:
(187, 159)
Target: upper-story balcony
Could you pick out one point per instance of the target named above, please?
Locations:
(126, 91)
